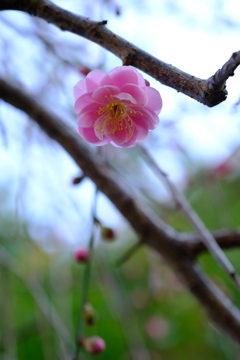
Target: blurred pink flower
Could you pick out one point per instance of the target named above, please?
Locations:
(118, 107)
(94, 345)
(81, 255)
(222, 170)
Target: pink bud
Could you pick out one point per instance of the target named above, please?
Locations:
(84, 70)
(94, 345)
(81, 255)
(107, 233)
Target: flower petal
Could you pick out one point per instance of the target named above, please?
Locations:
(83, 101)
(106, 80)
(125, 96)
(89, 84)
(88, 134)
(129, 143)
(120, 137)
(137, 93)
(142, 132)
(126, 75)
(87, 118)
(148, 120)
(103, 93)
(154, 100)
(96, 76)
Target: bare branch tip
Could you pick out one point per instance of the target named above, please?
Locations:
(103, 22)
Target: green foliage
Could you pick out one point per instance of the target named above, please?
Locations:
(141, 307)
(143, 311)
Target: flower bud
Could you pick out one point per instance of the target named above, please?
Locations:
(94, 345)
(84, 70)
(77, 180)
(108, 234)
(89, 314)
(81, 255)
(117, 11)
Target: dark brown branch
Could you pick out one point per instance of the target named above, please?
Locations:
(198, 89)
(218, 81)
(226, 239)
(150, 228)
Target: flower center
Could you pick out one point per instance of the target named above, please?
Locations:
(115, 116)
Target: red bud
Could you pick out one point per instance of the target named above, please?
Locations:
(81, 255)
(77, 180)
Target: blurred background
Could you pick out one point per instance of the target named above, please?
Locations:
(144, 313)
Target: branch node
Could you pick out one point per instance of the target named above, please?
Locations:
(128, 59)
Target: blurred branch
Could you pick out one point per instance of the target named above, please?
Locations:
(226, 239)
(152, 230)
(47, 308)
(208, 92)
(193, 217)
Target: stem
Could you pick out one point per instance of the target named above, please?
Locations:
(126, 256)
(86, 281)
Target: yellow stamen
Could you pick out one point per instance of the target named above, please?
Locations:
(115, 116)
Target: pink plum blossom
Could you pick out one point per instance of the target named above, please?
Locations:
(118, 107)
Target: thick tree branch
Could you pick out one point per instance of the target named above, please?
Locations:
(149, 227)
(204, 91)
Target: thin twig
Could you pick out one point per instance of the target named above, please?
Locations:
(85, 282)
(193, 217)
(126, 256)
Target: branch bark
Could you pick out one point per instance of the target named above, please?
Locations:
(226, 239)
(218, 80)
(154, 232)
(209, 92)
